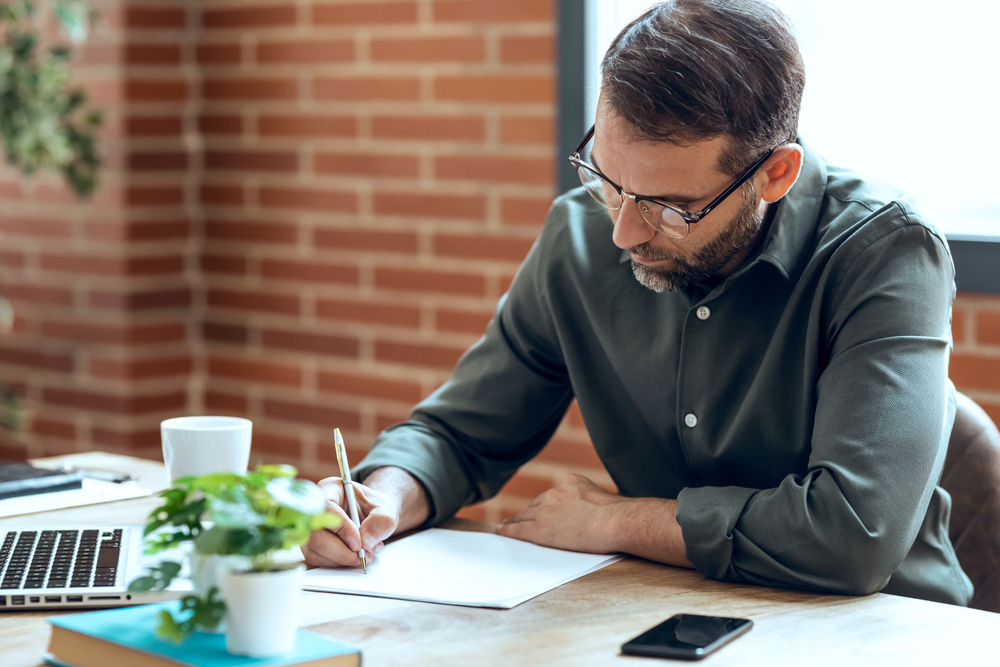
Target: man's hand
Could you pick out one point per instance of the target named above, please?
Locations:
(390, 501)
(578, 515)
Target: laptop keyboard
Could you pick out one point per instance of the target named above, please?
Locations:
(55, 558)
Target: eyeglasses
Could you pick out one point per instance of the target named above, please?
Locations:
(665, 218)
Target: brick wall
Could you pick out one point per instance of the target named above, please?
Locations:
(309, 212)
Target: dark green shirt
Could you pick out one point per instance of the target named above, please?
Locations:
(799, 410)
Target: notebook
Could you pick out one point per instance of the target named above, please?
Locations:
(77, 566)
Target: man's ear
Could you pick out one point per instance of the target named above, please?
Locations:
(780, 172)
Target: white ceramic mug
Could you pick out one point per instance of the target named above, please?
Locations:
(200, 445)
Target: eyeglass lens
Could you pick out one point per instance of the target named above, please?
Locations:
(659, 217)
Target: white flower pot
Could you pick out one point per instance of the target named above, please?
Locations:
(262, 616)
(206, 572)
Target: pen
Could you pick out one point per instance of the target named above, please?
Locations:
(352, 502)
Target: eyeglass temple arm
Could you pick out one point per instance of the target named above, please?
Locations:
(740, 181)
(583, 143)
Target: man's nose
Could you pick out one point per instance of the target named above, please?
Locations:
(630, 228)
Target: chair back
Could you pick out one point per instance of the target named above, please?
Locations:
(972, 477)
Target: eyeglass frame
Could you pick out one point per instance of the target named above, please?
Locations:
(689, 218)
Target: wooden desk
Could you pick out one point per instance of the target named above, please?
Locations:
(585, 621)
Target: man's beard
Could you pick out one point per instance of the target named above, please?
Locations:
(708, 261)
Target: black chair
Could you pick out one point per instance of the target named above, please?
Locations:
(972, 477)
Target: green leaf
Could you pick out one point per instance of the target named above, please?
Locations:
(278, 470)
(232, 509)
(300, 495)
(325, 520)
(159, 578)
(168, 628)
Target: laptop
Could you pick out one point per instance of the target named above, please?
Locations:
(82, 567)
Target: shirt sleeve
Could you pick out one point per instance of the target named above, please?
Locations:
(884, 412)
(506, 397)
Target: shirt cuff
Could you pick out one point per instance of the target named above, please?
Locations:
(707, 517)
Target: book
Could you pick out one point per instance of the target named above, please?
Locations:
(127, 636)
(23, 479)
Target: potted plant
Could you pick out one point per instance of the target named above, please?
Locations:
(251, 518)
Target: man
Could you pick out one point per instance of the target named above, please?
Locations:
(758, 342)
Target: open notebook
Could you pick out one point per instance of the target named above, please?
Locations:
(461, 568)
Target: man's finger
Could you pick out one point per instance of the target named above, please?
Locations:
(377, 526)
(519, 530)
(326, 549)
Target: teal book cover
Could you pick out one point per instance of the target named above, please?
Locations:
(134, 627)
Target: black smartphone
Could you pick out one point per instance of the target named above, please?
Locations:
(687, 636)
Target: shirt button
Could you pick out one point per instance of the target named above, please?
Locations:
(703, 313)
(690, 420)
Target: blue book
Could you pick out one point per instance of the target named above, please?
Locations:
(126, 636)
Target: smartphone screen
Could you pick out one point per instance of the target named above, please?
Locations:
(687, 636)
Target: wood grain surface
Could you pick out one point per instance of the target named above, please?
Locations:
(585, 621)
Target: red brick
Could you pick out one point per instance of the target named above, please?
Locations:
(367, 164)
(364, 12)
(147, 334)
(165, 161)
(227, 404)
(62, 363)
(154, 18)
(222, 195)
(276, 161)
(534, 49)
(484, 247)
(11, 191)
(524, 485)
(372, 313)
(249, 17)
(306, 125)
(367, 385)
(134, 301)
(140, 369)
(225, 333)
(461, 321)
(993, 410)
(229, 264)
(138, 231)
(247, 88)
(112, 266)
(17, 226)
(574, 416)
(388, 241)
(384, 420)
(124, 405)
(570, 452)
(139, 195)
(437, 356)
(230, 125)
(505, 282)
(153, 126)
(529, 171)
(524, 211)
(327, 452)
(491, 11)
(528, 130)
(495, 88)
(312, 199)
(318, 272)
(57, 296)
(975, 372)
(125, 440)
(366, 88)
(153, 54)
(168, 90)
(416, 205)
(310, 343)
(306, 51)
(251, 232)
(958, 327)
(54, 429)
(255, 371)
(421, 280)
(988, 327)
(250, 300)
(11, 258)
(433, 128)
(318, 415)
(429, 49)
(277, 444)
(219, 54)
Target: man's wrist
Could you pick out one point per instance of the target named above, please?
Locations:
(411, 498)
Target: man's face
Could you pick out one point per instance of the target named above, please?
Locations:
(687, 177)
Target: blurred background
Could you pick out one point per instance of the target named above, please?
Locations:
(306, 212)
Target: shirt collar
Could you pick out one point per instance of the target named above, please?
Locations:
(787, 245)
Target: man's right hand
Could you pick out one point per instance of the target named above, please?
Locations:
(390, 501)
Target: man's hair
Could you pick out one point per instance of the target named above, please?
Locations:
(690, 70)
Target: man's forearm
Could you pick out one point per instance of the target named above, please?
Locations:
(647, 527)
(406, 492)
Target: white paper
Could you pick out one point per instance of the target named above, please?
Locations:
(461, 568)
(93, 491)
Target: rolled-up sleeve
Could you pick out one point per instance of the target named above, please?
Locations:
(884, 409)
